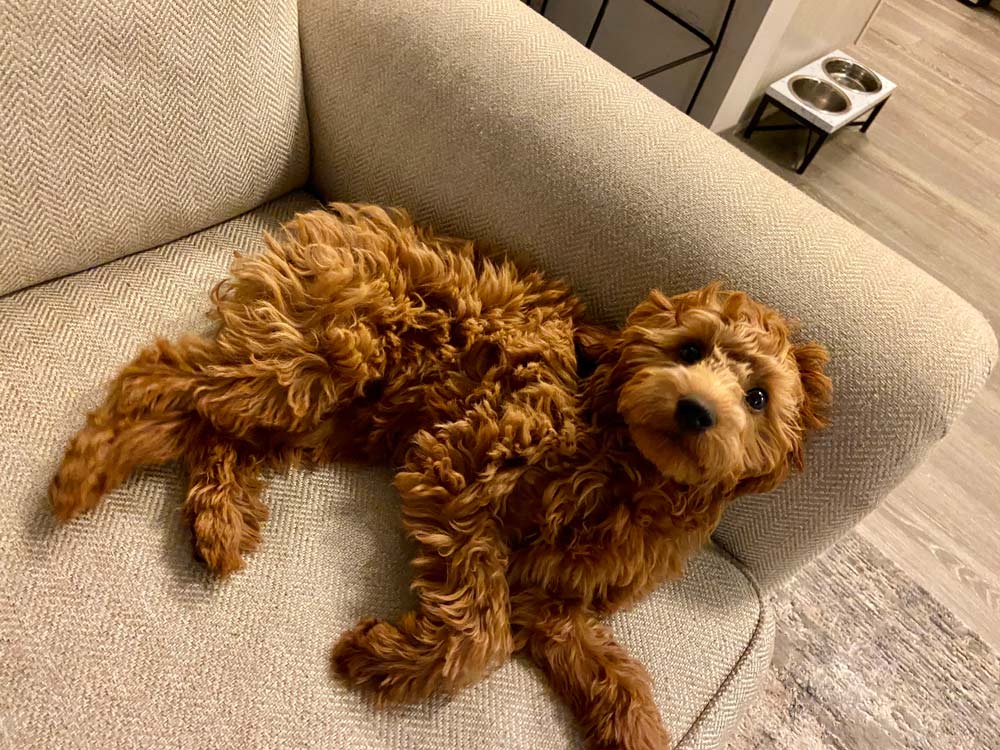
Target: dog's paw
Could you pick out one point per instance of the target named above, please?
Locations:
(375, 657)
(356, 660)
(219, 561)
(646, 736)
(218, 539)
(636, 727)
(69, 497)
(226, 523)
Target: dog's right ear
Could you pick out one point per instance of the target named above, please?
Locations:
(594, 345)
(595, 341)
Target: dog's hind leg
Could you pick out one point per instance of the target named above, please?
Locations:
(223, 503)
(608, 692)
(175, 396)
(106, 451)
(146, 418)
(460, 631)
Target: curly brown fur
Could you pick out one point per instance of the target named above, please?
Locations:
(548, 470)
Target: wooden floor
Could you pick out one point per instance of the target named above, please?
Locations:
(926, 181)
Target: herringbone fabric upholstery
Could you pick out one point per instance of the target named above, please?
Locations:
(112, 637)
(127, 123)
(496, 125)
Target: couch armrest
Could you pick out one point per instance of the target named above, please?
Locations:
(482, 117)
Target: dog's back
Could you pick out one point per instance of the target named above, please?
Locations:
(390, 325)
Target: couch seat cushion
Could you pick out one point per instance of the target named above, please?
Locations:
(111, 636)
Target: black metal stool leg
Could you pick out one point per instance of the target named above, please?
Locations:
(596, 25)
(811, 152)
(873, 115)
(755, 120)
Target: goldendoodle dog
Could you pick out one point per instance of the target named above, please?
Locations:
(551, 470)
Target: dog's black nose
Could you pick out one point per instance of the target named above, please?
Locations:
(693, 415)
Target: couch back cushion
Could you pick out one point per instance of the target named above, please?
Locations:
(129, 123)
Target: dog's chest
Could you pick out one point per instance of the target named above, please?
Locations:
(593, 537)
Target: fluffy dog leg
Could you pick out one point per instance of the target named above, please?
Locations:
(608, 692)
(145, 419)
(223, 505)
(461, 629)
(105, 452)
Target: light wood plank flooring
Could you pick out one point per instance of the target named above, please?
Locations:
(926, 181)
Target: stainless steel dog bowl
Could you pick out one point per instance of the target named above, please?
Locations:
(819, 94)
(851, 75)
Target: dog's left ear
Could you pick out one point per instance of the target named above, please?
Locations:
(817, 387)
(817, 390)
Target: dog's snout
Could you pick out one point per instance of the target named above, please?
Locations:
(693, 414)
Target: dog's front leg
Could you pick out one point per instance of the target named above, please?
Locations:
(223, 503)
(608, 692)
(461, 630)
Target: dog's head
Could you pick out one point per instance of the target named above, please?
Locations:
(715, 392)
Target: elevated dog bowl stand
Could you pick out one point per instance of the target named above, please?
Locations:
(818, 122)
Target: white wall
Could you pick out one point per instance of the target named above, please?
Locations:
(755, 63)
(817, 27)
(745, 25)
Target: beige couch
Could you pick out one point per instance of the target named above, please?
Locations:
(143, 142)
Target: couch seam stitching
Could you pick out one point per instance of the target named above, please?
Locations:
(743, 657)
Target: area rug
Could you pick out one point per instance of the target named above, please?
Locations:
(865, 658)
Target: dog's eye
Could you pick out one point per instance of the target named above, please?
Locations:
(689, 353)
(756, 398)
